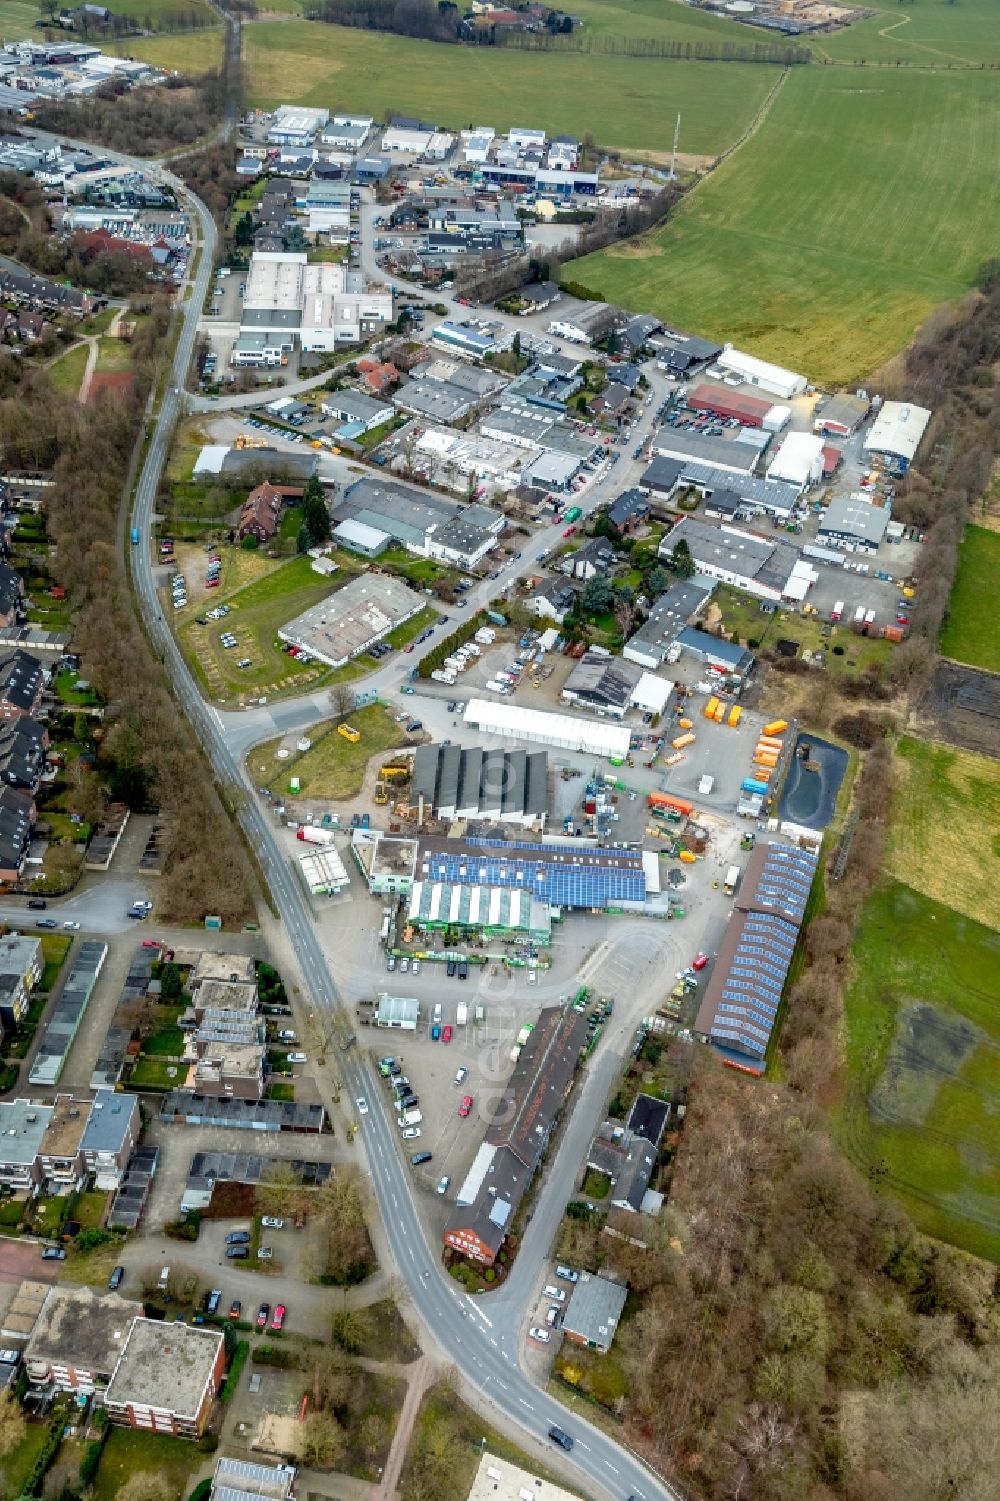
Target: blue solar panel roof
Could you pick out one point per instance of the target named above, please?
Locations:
(564, 875)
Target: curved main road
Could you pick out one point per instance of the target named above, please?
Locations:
(486, 1356)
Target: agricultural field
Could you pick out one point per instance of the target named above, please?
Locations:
(190, 52)
(332, 767)
(934, 32)
(946, 814)
(19, 18)
(970, 632)
(630, 102)
(859, 203)
(923, 1047)
(670, 22)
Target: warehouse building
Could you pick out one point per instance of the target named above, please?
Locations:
(594, 1312)
(602, 683)
(733, 557)
(668, 616)
(853, 525)
(752, 411)
(362, 413)
(479, 912)
(292, 125)
(896, 434)
(321, 304)
(761, 374)
(488, 1199)
(353, 618)
(842, 415)
(741, 1001)
(680, 353)
(425, 524)
(724, 656)
(503, 786)
(728, 454)
(578, 875)
(562, 730)
(798, 461)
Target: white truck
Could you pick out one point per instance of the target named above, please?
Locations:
(441, 675)
(310, 834)
(731, 882)
(409, 1118)
(461, 1014)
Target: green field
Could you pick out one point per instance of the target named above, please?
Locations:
(18, 18)
(740, 615)
(946, 817)
(130, 1451)
(622, 101)
(970, 632)
(861, 202)
(332, 767)
(66, 373)
(667, 21)
(923, 1049)
(190, 52)
(933, 32)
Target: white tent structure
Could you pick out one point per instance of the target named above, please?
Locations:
(565, 731)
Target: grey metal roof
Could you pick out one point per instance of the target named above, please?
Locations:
(110, 1120)
(846, 517)
(595, 1307)
(679, 443)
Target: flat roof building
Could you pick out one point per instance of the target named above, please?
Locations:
(798, 461)
(604, 684)
(23, 1124)
(167, 1378)
(78, 1339)
(402, 1013)
(353, 618)
(722, 453)
(566, 731)
(580, 874)
(853, 525)
(896, 434)
(594, 1312)
(667, 617)
(246, 1480)
(499, 1480)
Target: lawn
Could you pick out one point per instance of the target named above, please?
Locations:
(923, 1033)
(742, 614)
(113, 354)
(89, 1209)
(946, 814)
(167, 1043)
(157, 1073)
(66, 373)
(447, 1444)
(970, 631)
(669, 22)
(19, 1463)
(630, 102)
(858, 205)
(332, 767)
(934, 32)
(65, 686)
(258, 609)
(411, 628)
(130, 1451)
(55, 947)
(383, 1334)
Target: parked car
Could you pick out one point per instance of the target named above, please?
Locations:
(447, 1034)
(567, 1273)
(263, 1314)
(555, 1293)
(265, 1253)
(238, 1238)
(435, 1033)
(411, 1133)
(235, 1309)
(541, 1335)
(461, 1075)
(213, 1301)
(466, 1106)
(116, 1278)
(278, 1317)
(297, 1058)
(237, 1253)
(463, 970)
(420, 1157)
(444, 1184)
(272, 1222)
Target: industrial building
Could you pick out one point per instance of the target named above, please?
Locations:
(842, 415)
(729, 454)
(386, 861)
(759, 373)
(682, 603)
(482, 912)
(293, 125)
(578, 875)
(566, 731)
(400, 1013)
(741, 1000)
(896, 434)
(323, 871)
(359, 413)
(853, 524)
(733, 557)
(383, 511)
(752, 411)
(488, 1199)
(352, 618)
(798, 461)
(603, 683)
(321, 305)
(503, 786)
(679, 353)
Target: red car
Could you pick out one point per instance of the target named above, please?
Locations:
(211, 583)
(235, 1308)
(902, 619)
(408, 646)
(465, 1106)
(699, 961)
(279, 1316)
(151, 943)
(446, 1035)
(263, 1314)
(570, 531)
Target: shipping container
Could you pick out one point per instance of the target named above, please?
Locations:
(770, 742)
(734, 715)
(720, 712)
(711, 707)
(775, 727)
(685, 724)
(666, 801)
(682, 741)
(754, 784)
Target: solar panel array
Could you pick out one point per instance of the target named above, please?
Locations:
(562, 875)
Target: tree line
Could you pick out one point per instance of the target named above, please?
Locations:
(413, 18)
(142, 122)
(657, 47)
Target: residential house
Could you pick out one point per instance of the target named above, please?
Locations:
(110, 1136)
(625, 1157)
(60, 1151)
(594, 559)
(553, 599)
(638, 331)
(261, 512)
(11, 595)
(23, 743)
(626, 374)
(17, 816)
(377, 376)
(21, 965)
(23, 1124)
(167, 1378)
(628, 511)
(22, 682)
(539, 294)
(595, 1308)
(666, 619)
(78, 1339)
(611, 404)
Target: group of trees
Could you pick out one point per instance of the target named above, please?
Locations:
(565, 39)
(416, 18)
(142, 122)
(315, 528)
(26, 236)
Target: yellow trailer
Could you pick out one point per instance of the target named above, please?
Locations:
(349, 733)
(711, 707)
(720, 712)
(682, 741)
(687, 857)
(734, 715)
(686, 724)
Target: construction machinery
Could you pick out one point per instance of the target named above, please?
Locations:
(381, 796)
(396, 771)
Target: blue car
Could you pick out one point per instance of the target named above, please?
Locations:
(435, 1033)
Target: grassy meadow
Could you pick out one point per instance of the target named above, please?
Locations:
(859, 204)
(621, 101)
(970, 632)
(922, 1046)
(935, 33)
(946, 817)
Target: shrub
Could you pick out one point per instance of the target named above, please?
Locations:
(89, 1240)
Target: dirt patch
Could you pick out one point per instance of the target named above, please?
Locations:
(930, 1046)
(635, 250)
(109, 380)
(961, 707)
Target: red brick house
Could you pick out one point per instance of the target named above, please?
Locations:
(260, 515)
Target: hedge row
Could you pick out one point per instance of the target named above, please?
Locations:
(465, 632)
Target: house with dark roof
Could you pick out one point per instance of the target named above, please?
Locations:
(626, 374)
(602, 683)
(488, 1199)
(627, 1159)
(17, 817)
(612, 403)
(22, 682)
(628, 510)
(648, 1117)
(638, 331)
(552, 600)
(23, 743)
(594, 559)
(261, 512)
(11, 595)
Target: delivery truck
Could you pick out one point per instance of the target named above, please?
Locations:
(310, 834)
(732, 880)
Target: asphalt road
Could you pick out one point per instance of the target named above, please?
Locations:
(483, 1349)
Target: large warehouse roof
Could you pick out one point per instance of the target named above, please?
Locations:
(741, 1000)
(564, 875)
(722, 453)
(760, 373)
(898, 429)
(799, 460)
(564, 730)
